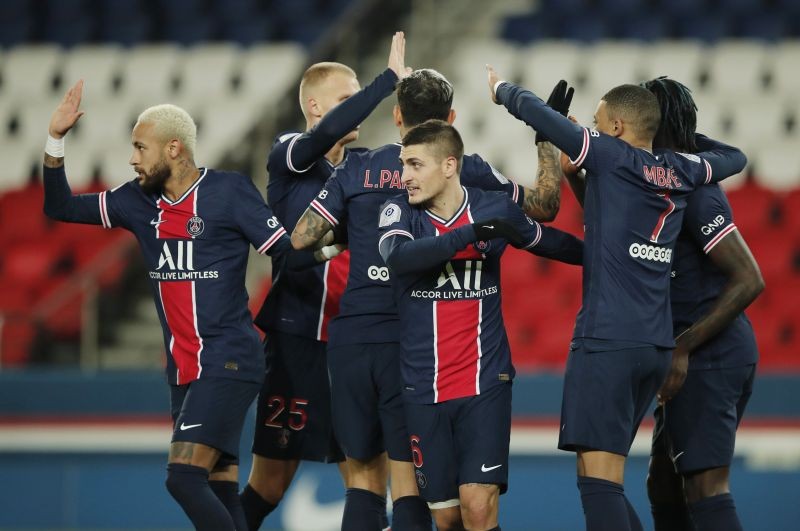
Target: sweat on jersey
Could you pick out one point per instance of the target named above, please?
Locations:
(353, 196)
(633, 209)
(303, 302)
(697, 282)
(196, 250)
(447, 289)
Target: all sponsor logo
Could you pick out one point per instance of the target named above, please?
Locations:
(654, 253)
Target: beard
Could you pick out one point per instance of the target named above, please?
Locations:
(153, 182)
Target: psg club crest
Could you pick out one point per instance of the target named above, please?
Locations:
(482, 246)
(195, 226)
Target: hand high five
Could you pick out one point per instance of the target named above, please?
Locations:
(397, 56)
(493, 78)
(68, 112)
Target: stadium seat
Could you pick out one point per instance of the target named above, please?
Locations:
(16, 337)
(679, 60)
(20, 160)
(150, 71)
(736, 68)
(98, 66)
(198, 61)
(778, 165)
(29, 73)
(542, 64)
(713, 116)
(751, 204)
(707, 27)
(768, 27)
(757, 121)
(268, 70)
(785, 76)
(467, 70)
(611, 64)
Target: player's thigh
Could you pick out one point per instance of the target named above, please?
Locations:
(294, 404)
(606, 394)
(701, 420)
(433, 451)
(211, 412)
(389, 383)
(482, 432)
(354, 401)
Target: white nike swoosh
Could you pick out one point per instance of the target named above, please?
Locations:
(156, 222)
(485, 468)
(488, 226)
(302, 510)
(675, 459)
(184, 427)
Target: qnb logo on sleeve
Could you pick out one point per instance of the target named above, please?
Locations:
(708, 228)
(653, 253)
(273, 222)
(378, 273)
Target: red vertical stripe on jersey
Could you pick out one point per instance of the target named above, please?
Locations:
(175, 217)
(457, 348)
(334, 282)
(178, 301)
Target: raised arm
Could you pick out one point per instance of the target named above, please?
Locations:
(745, 283)
(527, 107)
(310, 146)
(543, 200)
(59, 203)
(310, 230)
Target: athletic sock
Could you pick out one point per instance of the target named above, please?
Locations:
(362, 510)
(228, 494)
(412, 513)
(672, 517)
(717, 513)
(189, 486)
(255, 507)
(604, 505)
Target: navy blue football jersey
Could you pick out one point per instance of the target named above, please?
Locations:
(697, 282)
(195, 250)
(303, 302)
(633, 210)
(353, 195)
(453, 338)
(300, 302)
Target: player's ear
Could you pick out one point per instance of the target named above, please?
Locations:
(451, 117)
(397, 115)
(619, 127)
(449, 167)
(313, 108)
(174, 148)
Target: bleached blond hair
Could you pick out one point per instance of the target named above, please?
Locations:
(170, 121)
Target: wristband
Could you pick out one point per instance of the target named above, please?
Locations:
(54, 147)
(329, 251)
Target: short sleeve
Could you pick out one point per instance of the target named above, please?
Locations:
(708, 217)
(254, 218)
(477, 173)
(331, 201)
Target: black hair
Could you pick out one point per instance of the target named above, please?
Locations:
(636, 105)
(424, 95)
(678, 114)
(444, 138)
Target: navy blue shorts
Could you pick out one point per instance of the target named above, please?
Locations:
(697, 428)
(607, 393)
(366, 386)
(211, 411)
(460, 441)
(294, 406)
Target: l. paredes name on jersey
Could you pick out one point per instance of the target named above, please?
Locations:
(459, 279)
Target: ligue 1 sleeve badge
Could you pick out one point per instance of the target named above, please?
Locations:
(195, 226)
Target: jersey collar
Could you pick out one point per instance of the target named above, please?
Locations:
(187, 192)
(458, 213)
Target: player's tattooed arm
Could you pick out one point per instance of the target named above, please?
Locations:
(543, 200)
(310, 230)
(745, 283)
(53, 162)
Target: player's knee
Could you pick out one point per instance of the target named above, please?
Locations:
(478, 507)
(183, 480)
(448, 519)
(706, 483)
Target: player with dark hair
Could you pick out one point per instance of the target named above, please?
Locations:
(620, 354)
(455, 360)
(294, 408)
(363, 345)
(194, 227)
(714, 278)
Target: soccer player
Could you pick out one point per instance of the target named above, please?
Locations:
(456, 362)
(363, 343)
(194, 227)
(621, 349)
(714, 278)
(294, 409)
